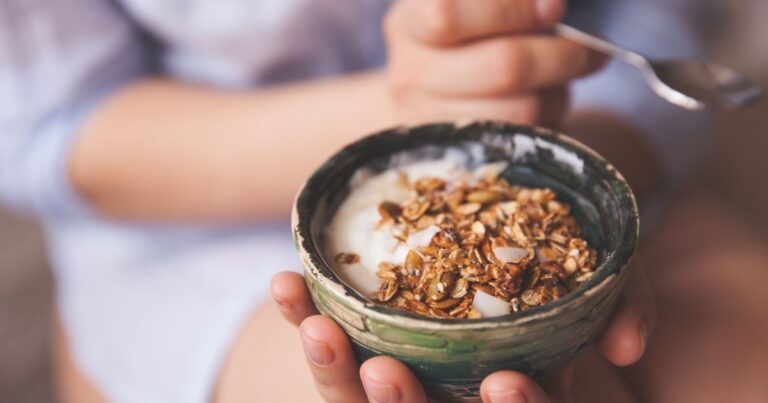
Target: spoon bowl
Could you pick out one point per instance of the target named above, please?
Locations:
(699, 85)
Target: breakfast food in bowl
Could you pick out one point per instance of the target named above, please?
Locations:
(444, 241)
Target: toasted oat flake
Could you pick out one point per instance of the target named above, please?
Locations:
(531, 297)
(468, 209)
(428, 185)
(478, 228)
(584, 277)
(389, 211)
(347, 258)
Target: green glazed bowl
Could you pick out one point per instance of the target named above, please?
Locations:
(451, 357)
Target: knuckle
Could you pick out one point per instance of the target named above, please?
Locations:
(509, 68)
(441, 21)
(550, 13)
(325, 381)
(399, 91)
(523, 14)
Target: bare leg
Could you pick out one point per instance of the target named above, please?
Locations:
(710, 272)
(596, 380)
(266, 364)
(71, 386)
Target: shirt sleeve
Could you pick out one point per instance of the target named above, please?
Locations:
(57, 61)
(661, 29)
(245, 44)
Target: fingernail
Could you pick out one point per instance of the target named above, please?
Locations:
(381, 392)
(318, 352)
(549, 11)
(506, 396)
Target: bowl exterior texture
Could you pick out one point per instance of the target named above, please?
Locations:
(451, 362)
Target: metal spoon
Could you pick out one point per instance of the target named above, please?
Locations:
(688, 83)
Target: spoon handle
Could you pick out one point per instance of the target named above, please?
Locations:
(600, 45)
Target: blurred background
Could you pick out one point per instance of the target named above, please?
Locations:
(734, 174)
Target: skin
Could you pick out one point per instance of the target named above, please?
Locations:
(707, 269)
(437, 48)
(222, 143)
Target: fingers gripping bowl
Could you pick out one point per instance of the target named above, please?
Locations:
(451, 356)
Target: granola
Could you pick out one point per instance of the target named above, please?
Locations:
(478, 248)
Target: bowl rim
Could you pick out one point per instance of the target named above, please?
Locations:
(615, 261)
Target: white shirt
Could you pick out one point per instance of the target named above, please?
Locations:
(150, 310)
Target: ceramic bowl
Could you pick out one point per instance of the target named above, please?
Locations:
(451, 357)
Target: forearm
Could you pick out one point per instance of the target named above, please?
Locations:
(160, 149)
